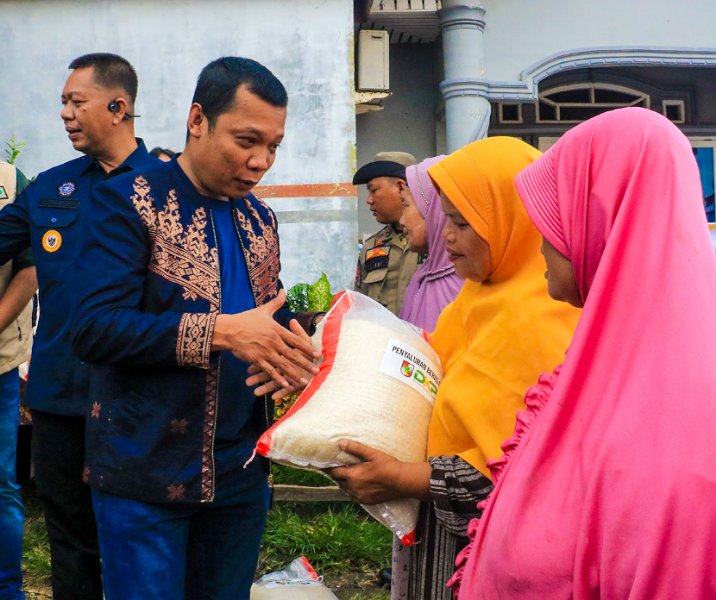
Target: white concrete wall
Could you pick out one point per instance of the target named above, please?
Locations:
(407, 121)
(308, 45)
(520, 33)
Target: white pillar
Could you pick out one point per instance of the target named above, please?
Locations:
(467, 110)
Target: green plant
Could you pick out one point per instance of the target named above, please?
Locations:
(304, 297)
(13, 149)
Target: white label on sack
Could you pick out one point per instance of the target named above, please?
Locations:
(404, 363)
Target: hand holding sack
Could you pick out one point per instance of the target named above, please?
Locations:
(376, 385)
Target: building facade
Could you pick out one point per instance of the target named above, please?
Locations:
(535, 69)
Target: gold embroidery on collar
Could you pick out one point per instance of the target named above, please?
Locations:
(179, 255)
(262, 258)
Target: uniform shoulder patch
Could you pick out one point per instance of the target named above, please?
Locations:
(377, 252)
(377, 262)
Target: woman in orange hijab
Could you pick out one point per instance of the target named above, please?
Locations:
(494, 340)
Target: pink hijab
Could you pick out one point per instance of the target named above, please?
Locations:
(434, 285)
(611, 492)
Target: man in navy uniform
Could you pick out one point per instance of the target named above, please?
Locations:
(98, 105)
(385, 264)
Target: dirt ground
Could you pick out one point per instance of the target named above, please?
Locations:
(349, 584)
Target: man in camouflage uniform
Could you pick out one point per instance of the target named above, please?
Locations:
(385, 264)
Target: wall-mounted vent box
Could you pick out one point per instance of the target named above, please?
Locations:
(373, 60)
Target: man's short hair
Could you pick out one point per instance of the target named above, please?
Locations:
(110, 71)
(219, 80)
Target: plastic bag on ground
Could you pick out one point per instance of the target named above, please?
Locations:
(376, 385)
(298, 581)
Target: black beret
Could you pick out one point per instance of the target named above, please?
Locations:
(378, 168)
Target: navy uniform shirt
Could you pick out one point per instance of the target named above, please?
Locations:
(47, 216)
(385, 267)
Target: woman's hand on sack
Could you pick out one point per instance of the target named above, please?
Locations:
(380, 477)
(285, 356)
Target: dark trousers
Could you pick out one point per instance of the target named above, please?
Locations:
(58, 444)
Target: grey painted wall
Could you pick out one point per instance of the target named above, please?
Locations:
(308, 45)
(407, 122)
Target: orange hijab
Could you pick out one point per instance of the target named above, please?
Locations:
(497, 337)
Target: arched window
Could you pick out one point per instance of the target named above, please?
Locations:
(580, 101)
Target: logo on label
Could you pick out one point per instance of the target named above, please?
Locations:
(412, 367)
(3, 193)
(66, 189)
(407, 369)
(51, 241)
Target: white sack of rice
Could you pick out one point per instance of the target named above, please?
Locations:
(376, 385)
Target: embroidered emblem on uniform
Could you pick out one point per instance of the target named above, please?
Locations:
(96, 410)
(377, 252)
(66, 189)
(52, 240)
(178, 426)
(3, 193)
(176, 492)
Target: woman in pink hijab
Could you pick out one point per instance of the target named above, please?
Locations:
(435, 284)
(607, 488)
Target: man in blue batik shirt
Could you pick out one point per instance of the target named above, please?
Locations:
(183, 293)
(98, 102)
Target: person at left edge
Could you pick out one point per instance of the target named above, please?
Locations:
(17, 286)
(183, 293)
(98, 104)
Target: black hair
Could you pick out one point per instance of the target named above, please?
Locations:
(110, 71)
(218, 81)
(157, 151)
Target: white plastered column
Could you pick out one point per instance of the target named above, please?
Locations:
(467, 110)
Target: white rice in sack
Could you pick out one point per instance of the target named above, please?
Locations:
(376, 385)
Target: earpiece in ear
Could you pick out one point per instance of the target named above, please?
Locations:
(113, 107)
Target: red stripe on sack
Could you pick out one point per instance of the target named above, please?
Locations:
(329, 338)
(408, 540)
(309, 568)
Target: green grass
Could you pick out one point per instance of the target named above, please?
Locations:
(334, 538)
(36, 548)
(383, 595)
(283, 474)
(342, 542)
